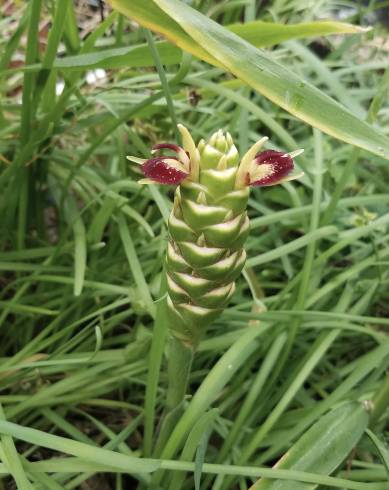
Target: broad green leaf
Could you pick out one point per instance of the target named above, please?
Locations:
(256, 68)
(258, 33)
(322, 448)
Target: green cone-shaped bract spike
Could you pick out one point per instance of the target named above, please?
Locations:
(207, 228)
(208, 224)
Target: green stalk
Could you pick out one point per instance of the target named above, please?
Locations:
(180, 362)
(179, 366)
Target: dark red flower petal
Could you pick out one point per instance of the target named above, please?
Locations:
(281, 165)
(159, 170)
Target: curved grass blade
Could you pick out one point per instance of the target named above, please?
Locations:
(261, 34)
(382, 450)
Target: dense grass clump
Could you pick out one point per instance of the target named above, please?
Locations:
(82, 249)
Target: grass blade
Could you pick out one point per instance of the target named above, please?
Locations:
(323, 448)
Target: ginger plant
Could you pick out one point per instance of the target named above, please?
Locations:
(208, 227)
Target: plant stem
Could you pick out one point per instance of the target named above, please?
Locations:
(180, 363)
(179, 366)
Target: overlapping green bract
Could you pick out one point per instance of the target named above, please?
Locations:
(208, 227)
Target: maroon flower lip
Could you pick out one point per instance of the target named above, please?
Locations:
(163, 170)
(273, 165)
(168, 170)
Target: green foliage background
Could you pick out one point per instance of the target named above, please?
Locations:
(82, 247)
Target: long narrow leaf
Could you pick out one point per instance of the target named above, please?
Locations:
(257, 69)
(260, 34)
